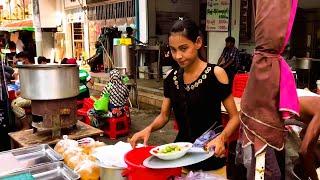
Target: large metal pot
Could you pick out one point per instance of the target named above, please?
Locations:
(112, 173)
(122, 59)
(48, 82)
(303, 63)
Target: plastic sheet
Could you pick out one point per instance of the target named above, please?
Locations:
(200, 176)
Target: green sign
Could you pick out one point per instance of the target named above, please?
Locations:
(217, 15)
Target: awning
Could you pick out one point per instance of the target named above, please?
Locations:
(18, 25)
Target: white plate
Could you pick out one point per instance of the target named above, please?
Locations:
(184, 147)
(188, 159)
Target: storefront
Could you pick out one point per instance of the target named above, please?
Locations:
(161, 15)
(76, 31)
(106, 15)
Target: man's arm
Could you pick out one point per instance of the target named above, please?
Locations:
(311, 135)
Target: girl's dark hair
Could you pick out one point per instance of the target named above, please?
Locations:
(189, 29)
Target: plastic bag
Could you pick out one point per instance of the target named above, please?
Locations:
(87, 144)
(73, 161)
(65, 144)
(88, 169)
(201, 141)
(70, 152)
(200, 176)
(102, 103)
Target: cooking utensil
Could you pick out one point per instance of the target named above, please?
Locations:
(31, 156)
(188, 159)
(56, 170)
(47, 82)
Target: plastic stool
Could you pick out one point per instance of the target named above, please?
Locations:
(12, 95)
(79, 103)
(83, 112)
(88, 103)
(239, 84)
(117, 126)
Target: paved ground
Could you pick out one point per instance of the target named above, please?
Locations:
(140, 119)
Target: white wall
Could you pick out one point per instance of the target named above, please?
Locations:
(143, 20)
(216, 43)
(235, 21)
(86, 34)
(48, 13)
(47, 44)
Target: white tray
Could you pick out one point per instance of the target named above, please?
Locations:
(188, 159)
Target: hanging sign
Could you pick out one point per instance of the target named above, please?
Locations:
(217, 15)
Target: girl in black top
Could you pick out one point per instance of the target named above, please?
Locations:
(195, 92)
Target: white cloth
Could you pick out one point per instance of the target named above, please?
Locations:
(303, 92)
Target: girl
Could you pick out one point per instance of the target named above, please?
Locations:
(195, 92)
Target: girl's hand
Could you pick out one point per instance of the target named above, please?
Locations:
(143, 135)
(218, 145)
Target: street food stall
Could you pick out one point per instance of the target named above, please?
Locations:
(75, 155)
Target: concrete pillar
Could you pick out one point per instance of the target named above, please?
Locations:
(86, 33)
(143, 20)
(37, 26)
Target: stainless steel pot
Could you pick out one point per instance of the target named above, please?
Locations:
(303, 63)
(122, 59)
(48, 82)
(112, 173)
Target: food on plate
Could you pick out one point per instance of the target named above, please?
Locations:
(170, 148)
(171, 151)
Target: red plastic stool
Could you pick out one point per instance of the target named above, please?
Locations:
(239, 84)
(79, 104)
(12, 95)
(117, 126)
(88, 103)
(83, 112)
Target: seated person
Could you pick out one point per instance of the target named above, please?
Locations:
(19, 104)
(43, 60)
(118, 97)
(119, 93)
(23, 58)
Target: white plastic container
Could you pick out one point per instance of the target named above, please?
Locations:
(143, 72)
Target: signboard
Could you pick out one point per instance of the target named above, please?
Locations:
(75, 17)
(74, 3)
(217, 16)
